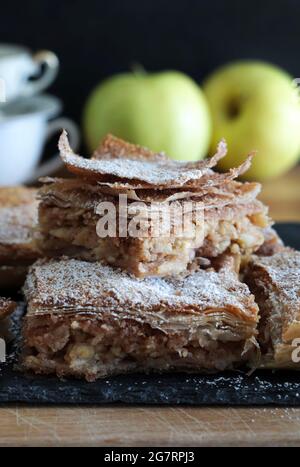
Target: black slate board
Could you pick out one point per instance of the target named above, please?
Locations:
(234, 388)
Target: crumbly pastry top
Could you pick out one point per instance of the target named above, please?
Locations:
(131, 171)
(207, 181)
(69, 285)
(283, 271)
(18, 215)
(153, 178)
(152, 170)
(112, 147)
(7, 306)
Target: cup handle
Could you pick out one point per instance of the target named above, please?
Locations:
(54, 164)
(50, 62)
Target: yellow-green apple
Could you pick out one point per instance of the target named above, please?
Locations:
(255, 106)
(164, 111)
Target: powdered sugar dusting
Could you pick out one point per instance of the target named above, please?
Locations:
(17, 223)
(283, 270)
(149, 172)
(70, 283)
(153, 172)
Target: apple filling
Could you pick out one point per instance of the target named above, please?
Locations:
(72, 232)
(93, 349)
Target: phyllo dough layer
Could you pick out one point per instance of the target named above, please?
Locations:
(90, 320)
(232, 220)
(275, 281)
(18, 221)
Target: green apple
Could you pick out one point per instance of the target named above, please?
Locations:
(255, 106)
(163, 111)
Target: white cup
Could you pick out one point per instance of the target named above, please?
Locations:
(25, 127)
(17, 68)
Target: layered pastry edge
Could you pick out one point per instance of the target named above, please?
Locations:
(201, 322)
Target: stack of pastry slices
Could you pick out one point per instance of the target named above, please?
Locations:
(149, 264)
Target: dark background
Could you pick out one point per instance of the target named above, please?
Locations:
(94, 39)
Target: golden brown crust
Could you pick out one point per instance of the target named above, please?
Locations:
(112, 147)
(232, 192)
(136, 172)
(67, 285)
(145, 176)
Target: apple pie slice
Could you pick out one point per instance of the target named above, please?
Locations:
(275, 282)
(18, 219)
(225, 214)
(89, 320)
(69, 219)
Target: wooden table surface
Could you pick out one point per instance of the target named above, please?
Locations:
(116, 425)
